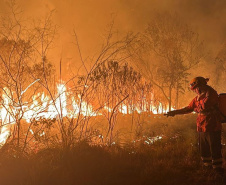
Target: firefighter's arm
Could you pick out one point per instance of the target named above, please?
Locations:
(184, 110)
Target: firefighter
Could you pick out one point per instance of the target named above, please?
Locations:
(209, 126)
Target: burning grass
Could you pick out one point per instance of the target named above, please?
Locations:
(159, 151)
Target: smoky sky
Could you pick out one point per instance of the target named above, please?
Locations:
(89, 19)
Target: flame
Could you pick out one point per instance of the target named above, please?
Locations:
(43, 106)
(5, 132)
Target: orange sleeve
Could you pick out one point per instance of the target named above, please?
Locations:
(188, 109)
(191, 105)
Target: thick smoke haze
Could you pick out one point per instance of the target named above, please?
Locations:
(89, 19)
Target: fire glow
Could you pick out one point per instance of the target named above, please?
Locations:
(42, 106)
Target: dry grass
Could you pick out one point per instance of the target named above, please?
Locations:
(172, 160)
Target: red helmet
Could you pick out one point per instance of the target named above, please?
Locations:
(197, 81)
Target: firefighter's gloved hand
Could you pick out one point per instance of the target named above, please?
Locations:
(170, 113)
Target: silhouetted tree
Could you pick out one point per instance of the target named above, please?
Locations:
(167, 51)
(19, 68)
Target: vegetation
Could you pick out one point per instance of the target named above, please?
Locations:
(167, 51)
(173, 159)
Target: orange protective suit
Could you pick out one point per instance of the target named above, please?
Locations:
(206, 105)
(208, 125)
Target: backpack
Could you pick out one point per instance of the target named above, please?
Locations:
(222, 106)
